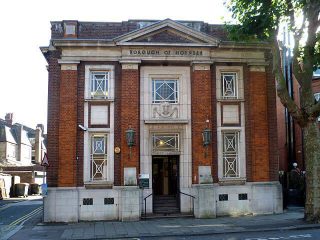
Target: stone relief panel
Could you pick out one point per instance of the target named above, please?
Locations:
(165, 110)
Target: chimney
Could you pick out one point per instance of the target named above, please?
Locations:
(37, 145)
(9, 118)
(39, 125)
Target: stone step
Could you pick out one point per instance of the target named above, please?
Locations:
(166, 215)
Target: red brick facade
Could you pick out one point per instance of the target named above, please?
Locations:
(259, 126)
(130, 118)
(201, 110)
(53, 117)
(67, 174)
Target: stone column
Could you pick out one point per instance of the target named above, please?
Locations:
(201, 115)
(258, 117)
(67, 174)
(130, 119)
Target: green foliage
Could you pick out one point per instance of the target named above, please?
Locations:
(260, 20)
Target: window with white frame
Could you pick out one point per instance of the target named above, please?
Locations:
(230, 154)
(229, 81)
(98, 157)
(317, 97)
(166, 142)
(164, 90)
(99, 85)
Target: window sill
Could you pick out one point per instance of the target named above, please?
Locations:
(230, 100)
(99, 99)
(232, 181)
(167, 121)
(98, 185)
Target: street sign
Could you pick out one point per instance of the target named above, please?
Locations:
(144, 180)
(45, 161)
(44, 189)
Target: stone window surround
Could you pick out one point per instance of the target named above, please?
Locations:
(182, 74)
(222, 128)
(109, 130)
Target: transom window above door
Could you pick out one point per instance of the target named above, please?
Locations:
(165, 142)
(164, 90)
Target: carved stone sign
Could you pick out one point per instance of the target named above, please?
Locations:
(164, 52)
(148, 52)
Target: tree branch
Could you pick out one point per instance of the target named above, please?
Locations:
(282, 90)
(296, 67)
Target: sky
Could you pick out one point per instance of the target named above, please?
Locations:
(25, 26)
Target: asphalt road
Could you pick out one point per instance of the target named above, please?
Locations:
(16, 213)
(272, 235)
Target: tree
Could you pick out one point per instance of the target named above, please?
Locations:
(260, 20)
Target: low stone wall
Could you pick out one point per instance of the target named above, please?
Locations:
(80, 204)
(251, 198)
(126, 203)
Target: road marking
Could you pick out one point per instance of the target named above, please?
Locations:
(308, 235)
(26, 217)
(5, 207)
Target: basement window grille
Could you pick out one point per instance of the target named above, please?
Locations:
(223, 197)
(108, 201)
(243, 196)
(87, 201)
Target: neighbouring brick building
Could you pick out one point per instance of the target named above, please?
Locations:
(174, 103)
(296, 148)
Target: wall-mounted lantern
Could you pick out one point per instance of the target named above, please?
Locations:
(206, 138)
(130, 138)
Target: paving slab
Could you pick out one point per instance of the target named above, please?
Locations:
(291, 219)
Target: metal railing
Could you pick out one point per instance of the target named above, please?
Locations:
(192, 198)
(145, 205)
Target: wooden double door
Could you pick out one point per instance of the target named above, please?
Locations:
(165, 175)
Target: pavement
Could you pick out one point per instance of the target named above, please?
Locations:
(291, 219)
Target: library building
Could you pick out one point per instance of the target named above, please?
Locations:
(152, 118)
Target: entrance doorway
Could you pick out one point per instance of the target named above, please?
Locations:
(165, 184)
(165, 175)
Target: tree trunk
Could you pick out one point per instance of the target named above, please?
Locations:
(311, 140)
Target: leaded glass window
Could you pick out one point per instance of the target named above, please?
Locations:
(100, 84)
(164, 91)
(229, 85)
(98, 157)
(230, 154)
(166, 142)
